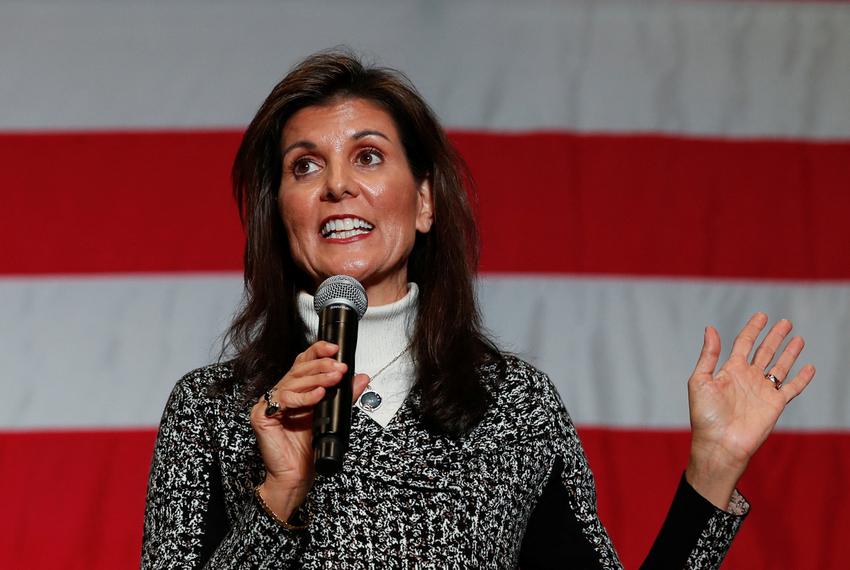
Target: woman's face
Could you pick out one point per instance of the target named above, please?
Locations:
(348, 199)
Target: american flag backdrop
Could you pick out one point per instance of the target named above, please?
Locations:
(644, 168)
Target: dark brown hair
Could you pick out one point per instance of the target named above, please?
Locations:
(448, 345)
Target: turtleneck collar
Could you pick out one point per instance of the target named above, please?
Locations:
(383, 333)
(398, 317)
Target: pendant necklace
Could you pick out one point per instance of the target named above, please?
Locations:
(370, 399)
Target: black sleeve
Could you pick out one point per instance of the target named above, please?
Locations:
(694, 535)
(215, 518)
(553, 537)
(683, 541)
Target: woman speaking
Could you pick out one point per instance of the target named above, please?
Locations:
(460, 456)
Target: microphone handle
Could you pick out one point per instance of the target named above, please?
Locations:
(332, 415)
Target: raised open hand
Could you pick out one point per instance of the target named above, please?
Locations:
(734, 409)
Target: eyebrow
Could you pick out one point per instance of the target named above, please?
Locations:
(368, 132)
(299, 144)
(356, 136)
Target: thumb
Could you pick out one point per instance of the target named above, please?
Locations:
(360, 381)
(707, 361)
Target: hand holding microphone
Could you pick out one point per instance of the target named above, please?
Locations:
(340, 302)
(320, 381)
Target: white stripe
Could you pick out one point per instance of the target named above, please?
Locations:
(104, 351)
(99, 352)
(621, 350)
(703, 68)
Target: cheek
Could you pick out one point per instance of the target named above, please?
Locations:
(402, 238)
(294, 221)
(404, 208)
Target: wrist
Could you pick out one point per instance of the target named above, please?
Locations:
(282, 497)
(291, 521)
(714, 475)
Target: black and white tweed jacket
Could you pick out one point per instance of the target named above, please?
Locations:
(516, 491)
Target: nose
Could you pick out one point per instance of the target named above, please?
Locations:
(339, 183)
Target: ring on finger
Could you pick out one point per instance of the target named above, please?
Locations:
(272, 407)
(777, 383)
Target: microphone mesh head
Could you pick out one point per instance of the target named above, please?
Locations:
(341, 289)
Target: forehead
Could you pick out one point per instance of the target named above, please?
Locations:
(337, 121)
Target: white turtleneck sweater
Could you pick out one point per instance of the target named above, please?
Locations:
(384, 332)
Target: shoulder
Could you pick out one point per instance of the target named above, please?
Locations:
(515, 379)
(522, 393)
(201, 382)
(202, 389)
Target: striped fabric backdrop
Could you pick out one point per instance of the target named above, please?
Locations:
(643, 168)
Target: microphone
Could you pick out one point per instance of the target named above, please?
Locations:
(340, 302)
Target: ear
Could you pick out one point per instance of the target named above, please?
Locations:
(425, 216)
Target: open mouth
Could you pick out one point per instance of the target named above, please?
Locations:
(344, 228)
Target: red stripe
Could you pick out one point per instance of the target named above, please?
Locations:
(75, 500)
(796, 484)
(118, 202)
(652, 205)
(549, 202)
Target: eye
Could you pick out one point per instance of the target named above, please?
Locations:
(304, 166)
(370, 157)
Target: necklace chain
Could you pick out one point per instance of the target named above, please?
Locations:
(387, 365)
(371, 400)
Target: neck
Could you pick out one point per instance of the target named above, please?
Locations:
(386, 291)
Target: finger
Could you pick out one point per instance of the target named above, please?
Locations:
(747, 337)
(710, 354)
(307, 383)
(258, 412)
(296, 400)
(321, 349)
(792, 388)
(303, 375)
(318, 349)
(313, 367)
(788, 357)
(771, 343)
(360, 382)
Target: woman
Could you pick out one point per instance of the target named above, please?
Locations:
(461, 456)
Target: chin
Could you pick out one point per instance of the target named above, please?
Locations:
(357, 271)
(357, 268)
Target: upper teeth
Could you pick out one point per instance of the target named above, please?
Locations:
(345, 225)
